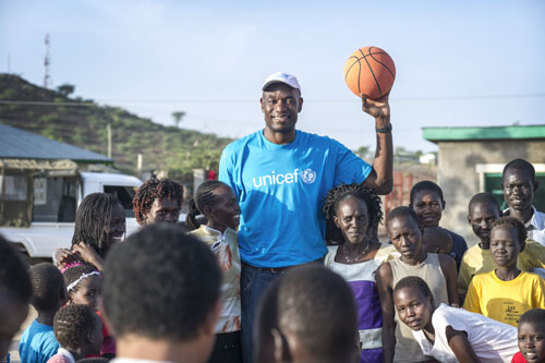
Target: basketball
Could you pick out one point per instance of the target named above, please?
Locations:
(370, 72)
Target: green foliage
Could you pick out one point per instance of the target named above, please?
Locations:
(66, 89)
(168, 148)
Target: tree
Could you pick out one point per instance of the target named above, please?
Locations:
(66, 89)
(178, 116)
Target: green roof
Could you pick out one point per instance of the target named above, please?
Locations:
(437, 134)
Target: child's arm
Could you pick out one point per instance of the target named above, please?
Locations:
(448, 266)
(462, 349)
(384, 286)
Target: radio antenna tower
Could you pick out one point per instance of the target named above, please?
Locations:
(47, 61)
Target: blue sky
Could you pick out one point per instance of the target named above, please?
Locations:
(459, 63)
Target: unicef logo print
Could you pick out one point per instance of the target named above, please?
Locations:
(308, 176)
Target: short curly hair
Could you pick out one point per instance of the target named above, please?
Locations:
(150, 191)
(160, 283)
(341, 192)
(14, 276)
(414, 282)
(74, 273)
(511, 222)
(72, 325)
(48, 290)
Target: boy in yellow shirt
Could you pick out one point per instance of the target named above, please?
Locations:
(504, 294)
(483, 210)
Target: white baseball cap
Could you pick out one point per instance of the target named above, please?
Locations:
(280, 77)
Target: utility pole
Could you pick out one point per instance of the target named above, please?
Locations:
(109, 131)
(47, 62)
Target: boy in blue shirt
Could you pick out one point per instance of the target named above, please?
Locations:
(38, 342)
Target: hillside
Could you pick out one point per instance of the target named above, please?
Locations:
(83, 123)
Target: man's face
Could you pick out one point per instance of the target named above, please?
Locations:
(281, 104)
(481, 215)
(163, 210)
(428, 207)
(518, 189)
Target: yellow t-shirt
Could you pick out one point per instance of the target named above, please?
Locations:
(505, 301)
(477, 261)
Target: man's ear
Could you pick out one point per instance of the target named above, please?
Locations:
(281, 347)
(262, 104)
(444, 205)
(300, 104)
(468, 219)
(535, 185)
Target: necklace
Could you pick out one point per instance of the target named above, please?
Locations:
(356, 258)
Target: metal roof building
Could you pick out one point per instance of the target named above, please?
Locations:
(19, 144)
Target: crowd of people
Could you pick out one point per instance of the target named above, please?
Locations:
(280, 261)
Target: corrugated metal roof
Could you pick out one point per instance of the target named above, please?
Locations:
(20, 144)
(520, 132)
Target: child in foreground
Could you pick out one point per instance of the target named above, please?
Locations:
(350, 210)
(505, 293)
(451, 334)
(84, 286)
(78, 331)
(483, 210)
(38, 342)
(439, 270)
(217, 202)
(531, 333)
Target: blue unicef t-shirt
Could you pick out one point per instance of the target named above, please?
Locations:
(281, 189)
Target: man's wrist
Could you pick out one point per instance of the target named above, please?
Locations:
(384, 130)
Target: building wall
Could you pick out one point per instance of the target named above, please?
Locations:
(458, 177)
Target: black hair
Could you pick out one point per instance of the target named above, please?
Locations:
(341, 192)
(534, 316)
(72, 325)
(74, 273)
(484, 198)
(14, 276)
(155, 189)
(514, 223)
(160, 283)
(439, 236)
(520, 164)
(428, 186)
(204, 197)
(414, 282)
(403, 211)
(93, 360)
(92, 217)
(317, 306)
(48, 289)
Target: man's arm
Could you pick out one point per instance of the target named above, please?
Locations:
(381, 178)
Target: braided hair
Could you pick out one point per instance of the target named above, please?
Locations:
(73, 324)
(341, 192)
(92, 218)
(204, 197)
(74, 273)
(150, 191)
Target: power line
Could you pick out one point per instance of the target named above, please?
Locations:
(402, 99)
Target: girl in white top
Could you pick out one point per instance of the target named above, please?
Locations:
(451, 334)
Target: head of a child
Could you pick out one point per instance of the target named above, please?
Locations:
(162, 285)
(158, 200)
(15, 293)
(100, 222)
(483, 210)
(519, 184)
(405, 232)
(218, 203)
(84, 285)
(78, 329)
(350, 210)
(308, 315)
(48, 289)
(413, 301)
(507, 240)
(426, 199)
(531, 334)
(436, 240)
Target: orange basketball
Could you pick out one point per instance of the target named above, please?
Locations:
(369, 72)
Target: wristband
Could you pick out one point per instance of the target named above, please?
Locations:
(384, 130)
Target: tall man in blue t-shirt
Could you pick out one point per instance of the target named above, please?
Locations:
(281, 176)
